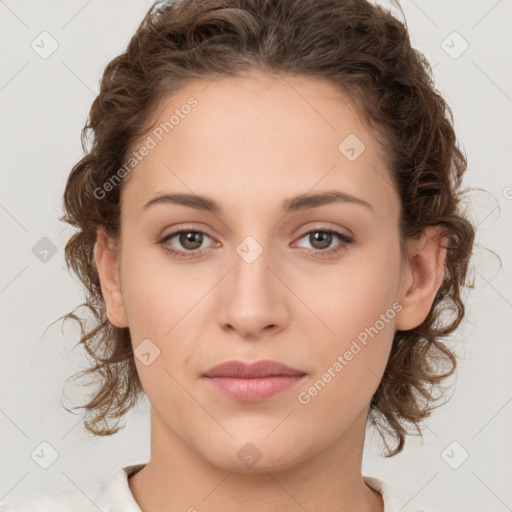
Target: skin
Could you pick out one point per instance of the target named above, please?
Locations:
(251, 142)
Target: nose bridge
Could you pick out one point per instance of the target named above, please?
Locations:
(254, 247)
(252, 262)
(252, 296)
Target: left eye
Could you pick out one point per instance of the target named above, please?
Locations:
(325, 238)
(192, 240)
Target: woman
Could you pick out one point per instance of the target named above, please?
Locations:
(269, 233)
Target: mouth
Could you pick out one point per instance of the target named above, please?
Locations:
(252, 382)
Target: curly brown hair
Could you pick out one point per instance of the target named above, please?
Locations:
(362, 49)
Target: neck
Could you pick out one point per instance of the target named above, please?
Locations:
(176, 478)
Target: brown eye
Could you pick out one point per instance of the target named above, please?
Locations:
(320, 239)
(188, 242)
(191, 240)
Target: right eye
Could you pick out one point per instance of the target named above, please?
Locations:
(190, 239)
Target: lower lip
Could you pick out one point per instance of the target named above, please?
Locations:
(254, 390)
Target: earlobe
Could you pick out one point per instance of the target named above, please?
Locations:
(422, 277)
(106, 260)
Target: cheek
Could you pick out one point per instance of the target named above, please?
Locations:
(159, 307)
(353, 295)
(350, 363)
(155, 293)
(357, 307)
(163, 305)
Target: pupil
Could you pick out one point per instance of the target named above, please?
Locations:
(325, 238)
(191, 237)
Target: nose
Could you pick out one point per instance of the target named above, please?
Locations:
(253, 300)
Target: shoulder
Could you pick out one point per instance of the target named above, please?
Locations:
(56, 501)
(112, 494)
(393, 502)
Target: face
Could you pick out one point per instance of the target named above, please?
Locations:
(316, 286)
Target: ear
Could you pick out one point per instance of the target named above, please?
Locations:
(107, 263)
(422, 276)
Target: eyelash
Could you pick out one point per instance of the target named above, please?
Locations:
(318, 253)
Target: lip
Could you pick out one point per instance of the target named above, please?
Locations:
(252, 382)
(239, 369)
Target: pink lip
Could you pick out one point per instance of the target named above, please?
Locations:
(252, 382)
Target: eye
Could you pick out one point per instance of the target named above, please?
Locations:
(321, 239)
(189, 239)
(192, 240)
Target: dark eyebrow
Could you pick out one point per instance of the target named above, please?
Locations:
(293, 204)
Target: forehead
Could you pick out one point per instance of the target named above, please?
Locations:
(245, 138)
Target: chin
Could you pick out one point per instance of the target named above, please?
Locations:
(255, 454)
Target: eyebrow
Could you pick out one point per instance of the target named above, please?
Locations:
(293, 204)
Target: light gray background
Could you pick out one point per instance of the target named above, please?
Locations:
(44, 104)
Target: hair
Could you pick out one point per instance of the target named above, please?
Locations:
(364, 51)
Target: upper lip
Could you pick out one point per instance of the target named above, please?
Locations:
(242, 370)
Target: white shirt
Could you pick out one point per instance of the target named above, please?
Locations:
(114, 495)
